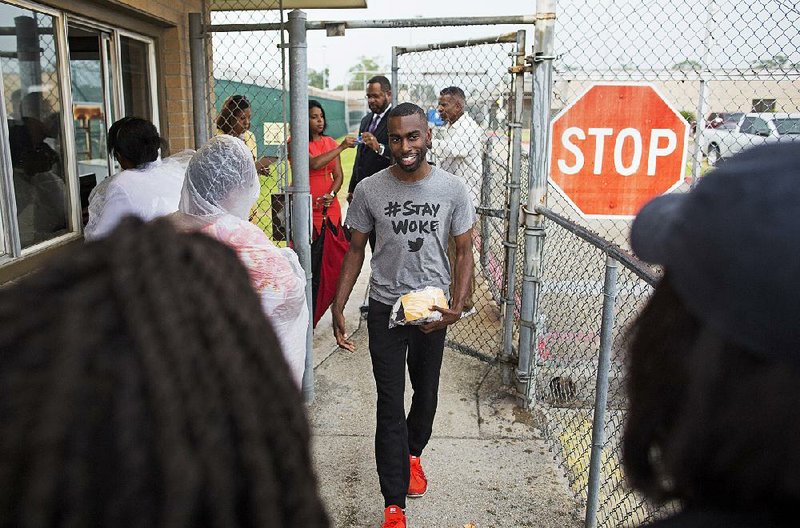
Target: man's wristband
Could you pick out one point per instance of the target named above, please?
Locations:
(381, 149)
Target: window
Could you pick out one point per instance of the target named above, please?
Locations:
(65, 80)
(135, 59)
(37, 188)
(760, 127)
(788, 126)
(764, 105)
(111, 79)
(747, 125)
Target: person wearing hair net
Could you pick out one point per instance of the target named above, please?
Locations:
(147, 187)
(220, 188)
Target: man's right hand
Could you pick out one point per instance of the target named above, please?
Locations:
(339, 331)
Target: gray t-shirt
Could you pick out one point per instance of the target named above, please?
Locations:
(412, 222)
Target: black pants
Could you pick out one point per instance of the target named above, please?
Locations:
(397, 436)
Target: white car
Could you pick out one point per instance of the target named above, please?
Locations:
(752, 129)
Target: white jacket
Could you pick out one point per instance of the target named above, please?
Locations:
(458, 149)
(148, 191)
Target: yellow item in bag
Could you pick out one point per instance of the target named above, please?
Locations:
(416, 305)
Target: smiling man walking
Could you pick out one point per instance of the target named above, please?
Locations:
(412, 207)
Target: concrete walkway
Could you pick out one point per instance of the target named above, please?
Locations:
(486, 465)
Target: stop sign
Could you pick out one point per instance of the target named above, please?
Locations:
(616, 147)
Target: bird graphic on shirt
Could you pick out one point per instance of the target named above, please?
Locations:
(415, 245)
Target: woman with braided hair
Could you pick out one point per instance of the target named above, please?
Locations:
(220, 189)
(146, 389)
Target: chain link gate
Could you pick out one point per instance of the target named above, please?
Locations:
(481, 69)
(728, 67)
(253, 64)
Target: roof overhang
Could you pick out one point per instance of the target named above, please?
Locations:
(252, 5)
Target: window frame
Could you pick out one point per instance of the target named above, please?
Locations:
(10, 246)
(11, 233)
(151, 71)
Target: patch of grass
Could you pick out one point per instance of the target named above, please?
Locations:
(270, 184)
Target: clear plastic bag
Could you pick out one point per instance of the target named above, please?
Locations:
(413, 308)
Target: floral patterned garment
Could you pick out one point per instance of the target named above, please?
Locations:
(277, 277)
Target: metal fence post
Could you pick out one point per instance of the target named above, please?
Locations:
(301, 195)
(395, 68)
(601, 391)
(197, 54)
(512, 232)
(537, 192)
(486, 199)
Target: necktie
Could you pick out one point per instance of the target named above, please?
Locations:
(374, 124)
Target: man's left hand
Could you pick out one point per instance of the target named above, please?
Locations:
(371, 141)
(448, 317)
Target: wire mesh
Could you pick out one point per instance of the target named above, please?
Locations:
(732, 69)
(481, 71)
(248, 97)
(566, 370)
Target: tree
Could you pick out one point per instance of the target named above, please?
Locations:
(687, 65)
(360, 72)
(318, 79)
(424, 95)
(775, 63)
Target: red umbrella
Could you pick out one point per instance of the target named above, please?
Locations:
(327, 254)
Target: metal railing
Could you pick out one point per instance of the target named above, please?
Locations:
(724, 65)
(591, 289)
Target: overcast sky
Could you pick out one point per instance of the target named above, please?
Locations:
(339, 53)
(591, 35)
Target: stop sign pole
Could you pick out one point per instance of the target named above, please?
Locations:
(616, 147)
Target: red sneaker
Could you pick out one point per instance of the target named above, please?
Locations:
(394, 517)
(418, 483)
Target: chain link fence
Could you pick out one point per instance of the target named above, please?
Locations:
(567, 365)
(479, 151)
(248, 97)
(733, 70)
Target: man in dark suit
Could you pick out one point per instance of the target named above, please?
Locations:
(373, 154)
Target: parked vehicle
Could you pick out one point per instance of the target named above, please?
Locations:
(726, 120)
(724, 140)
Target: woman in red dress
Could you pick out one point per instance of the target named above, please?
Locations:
(325, 171)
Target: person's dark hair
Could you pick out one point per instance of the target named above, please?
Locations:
(135, 139)
(313, 103)
(407, 109)
(709, 423)
(146, 388)
(231, 108)
(454, 91)
(386, 86)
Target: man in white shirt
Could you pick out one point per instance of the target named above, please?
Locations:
(458, 144)
(458, 149)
